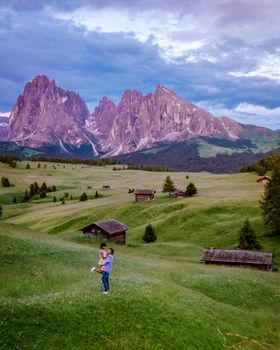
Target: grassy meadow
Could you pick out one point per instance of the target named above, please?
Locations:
(162, 296)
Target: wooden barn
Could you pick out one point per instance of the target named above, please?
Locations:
(142, 195)
(264, 179)
(238, 257)
(110, 230)
(178, 194)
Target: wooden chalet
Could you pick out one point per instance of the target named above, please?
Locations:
(238, 257)
(178, 194)
(142, 195)
(110, 230)
(264, 179)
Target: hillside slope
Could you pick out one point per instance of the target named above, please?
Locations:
(162, 297)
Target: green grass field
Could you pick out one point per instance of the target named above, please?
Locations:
(162, 296)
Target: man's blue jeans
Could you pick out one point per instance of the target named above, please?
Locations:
(105, 281)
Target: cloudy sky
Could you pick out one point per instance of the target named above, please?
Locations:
(223, 55)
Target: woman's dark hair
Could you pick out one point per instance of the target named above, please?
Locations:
(102, 245)
(112, 250)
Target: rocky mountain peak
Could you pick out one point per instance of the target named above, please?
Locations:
(47, 114)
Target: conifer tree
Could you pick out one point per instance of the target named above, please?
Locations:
(44, 187)
(14, 200)
(5, 182)
(168, 185)
(191, 189)
(27, 166)
(1, 211)
(270, 202)
(54, 199)
(26, 196)
(149, 234)
(96, 194)
(83, 197)
(36, 187)
(247, 237)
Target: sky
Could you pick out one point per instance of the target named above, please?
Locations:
(222, 55)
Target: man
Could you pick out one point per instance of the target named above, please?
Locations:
(107, 270)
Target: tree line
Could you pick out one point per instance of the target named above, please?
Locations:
(262, 166)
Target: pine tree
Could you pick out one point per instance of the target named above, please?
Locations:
(26, 196)
(27, 166)
(191, 189)
(44, 187)
(32, 191)
(14, 200)
(54, 199)
(1, 211)
(36, 188)
(39, 165)
(96, 194)
(83, 197)
(168, 185)
(5, 182)
(149, 234)
(270, 202)
(247, 237)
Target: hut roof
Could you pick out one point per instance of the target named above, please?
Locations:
(177, 192)
(236, 256)
(268, 178)
(110, 226)
(144, 191)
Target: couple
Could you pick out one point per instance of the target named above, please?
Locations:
(104, 265)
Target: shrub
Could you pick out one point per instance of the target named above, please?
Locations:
(149, 234)
(43, 194)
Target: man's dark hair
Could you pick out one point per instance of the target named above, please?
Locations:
(112, 250)
(102, 245)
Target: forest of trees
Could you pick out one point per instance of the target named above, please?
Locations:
(265, 164)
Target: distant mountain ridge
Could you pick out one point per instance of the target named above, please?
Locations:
(51, 119)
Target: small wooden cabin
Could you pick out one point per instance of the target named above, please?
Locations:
(110, 230)
(142, 195)
(178, 194)
(264, 179)
(238, 257)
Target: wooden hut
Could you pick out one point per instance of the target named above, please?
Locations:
(142, 195)
(264, 179)
(238, 257)
(178, 194)
(110, 230)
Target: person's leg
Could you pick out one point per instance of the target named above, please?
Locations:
(105, 281)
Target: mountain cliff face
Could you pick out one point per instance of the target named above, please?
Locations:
(47, 114)
(139, 122)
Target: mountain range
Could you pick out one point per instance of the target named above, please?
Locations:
(52, 120)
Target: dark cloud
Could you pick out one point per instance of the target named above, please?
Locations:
(95, 64)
